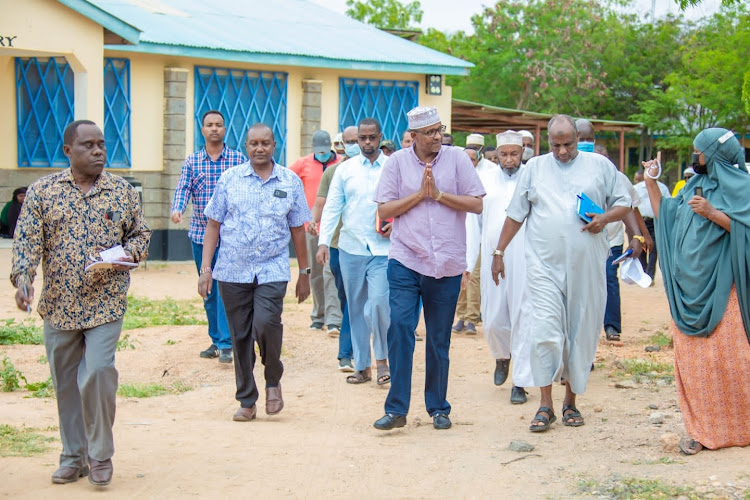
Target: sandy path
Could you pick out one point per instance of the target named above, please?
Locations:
(323, 443)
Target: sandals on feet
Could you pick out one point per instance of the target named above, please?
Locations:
(546, 422)
(359, 377)
(384, 374)
(690, 446)
(570, 419)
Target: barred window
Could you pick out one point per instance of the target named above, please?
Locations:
(117, 112)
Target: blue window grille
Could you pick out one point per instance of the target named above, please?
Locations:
(245, 98)
(44, 107)
(117, 112)
(387, 101)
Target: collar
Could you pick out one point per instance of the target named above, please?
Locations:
(105, 181)
(249, 171)
(365, 162)
(413, 153)
(204, 153)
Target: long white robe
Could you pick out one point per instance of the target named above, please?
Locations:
(506, 308)
(565, 267)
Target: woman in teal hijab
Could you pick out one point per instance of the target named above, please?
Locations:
(703, 239)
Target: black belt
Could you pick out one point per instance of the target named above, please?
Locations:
(648, 218)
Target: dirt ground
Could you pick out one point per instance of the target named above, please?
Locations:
(323, 443)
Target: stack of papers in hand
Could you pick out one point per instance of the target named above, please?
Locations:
(586, 205)
(110, 257)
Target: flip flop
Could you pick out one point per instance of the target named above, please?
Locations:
(384, 375)
(569, 419)
(544, 420)
(359, 377)
(690, 446)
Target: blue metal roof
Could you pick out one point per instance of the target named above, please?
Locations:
(284, 32)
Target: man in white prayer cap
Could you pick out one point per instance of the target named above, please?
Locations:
(528, 146)
(506, 307)
(476, 142)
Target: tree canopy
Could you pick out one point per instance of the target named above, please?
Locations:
(385, 14)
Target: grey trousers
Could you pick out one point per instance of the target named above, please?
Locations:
(82, 364)
(326, 306)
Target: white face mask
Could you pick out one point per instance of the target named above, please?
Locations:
(527, 154)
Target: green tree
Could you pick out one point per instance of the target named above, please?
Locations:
(684, 4)
(385, 14)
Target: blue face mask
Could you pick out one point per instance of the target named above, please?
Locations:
(586, 146)
(323, 157)
(352, 150)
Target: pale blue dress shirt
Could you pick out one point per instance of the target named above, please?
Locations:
(351, 196)
(255, 218)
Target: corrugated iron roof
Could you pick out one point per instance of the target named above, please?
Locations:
(280, 31)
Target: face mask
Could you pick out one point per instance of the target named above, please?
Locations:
(323, 157)
(352, 150)
(527, 154)
(586, 146)
(699, 169)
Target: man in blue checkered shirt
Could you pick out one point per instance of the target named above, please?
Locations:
(200, 173)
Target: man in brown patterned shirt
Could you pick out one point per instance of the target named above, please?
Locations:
(66, 219)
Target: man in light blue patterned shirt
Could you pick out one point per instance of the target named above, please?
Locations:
(199, 175)
(363, 251)
(255, 209)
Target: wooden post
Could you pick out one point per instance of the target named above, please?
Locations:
(538, 138)
(622, 150)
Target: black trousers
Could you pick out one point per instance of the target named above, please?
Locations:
(649, 266)
(254, 315)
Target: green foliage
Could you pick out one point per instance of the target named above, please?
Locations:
(24, 332)
(125, 342)
(41, 389)
(660, 461)
(23, 442)
(385, 14)
(144, 312)
(10, 378)
(661, 339)
(151, 390)
(684, 4)
(644, 368)
(635, 488)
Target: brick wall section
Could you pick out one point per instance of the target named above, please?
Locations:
(311, 101)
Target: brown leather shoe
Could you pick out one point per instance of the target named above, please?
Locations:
(274, 401)
(245, 414)
(65, 475)
(101, 472)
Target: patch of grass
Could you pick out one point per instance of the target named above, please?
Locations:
(41, 389)
(144, 312)
(645, 368)
(151, 390)
(24, 332)
(172, 342)
(661, 339)
(125, 342)
(42, 360)
(23, 442)
(634, 488)
(660, 461)
(10, 378)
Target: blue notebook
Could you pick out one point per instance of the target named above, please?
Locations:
(586, 205)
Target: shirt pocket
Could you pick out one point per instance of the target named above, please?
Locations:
(199, 184)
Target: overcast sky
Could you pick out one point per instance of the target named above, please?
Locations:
(447, 15)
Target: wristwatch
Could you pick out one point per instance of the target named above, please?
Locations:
(498, 252)
(305, 271)
(639, 238)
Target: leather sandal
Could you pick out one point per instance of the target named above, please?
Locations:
(359, 377)
(570, 418)
(544, 420)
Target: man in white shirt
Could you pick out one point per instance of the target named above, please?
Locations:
(363, 251)
(649, 264)
(476, 142)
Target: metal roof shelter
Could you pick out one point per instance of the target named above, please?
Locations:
(279, 32)
(470, 116)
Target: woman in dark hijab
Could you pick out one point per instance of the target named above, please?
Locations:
(703, 239)
(19, 195)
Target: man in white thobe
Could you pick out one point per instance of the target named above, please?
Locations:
(565, 262)
(506, 307)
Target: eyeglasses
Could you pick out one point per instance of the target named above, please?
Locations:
(431, 133)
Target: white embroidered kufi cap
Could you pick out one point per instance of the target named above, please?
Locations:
(475, 140)
(421, 117)
(509, 137)
(526, 133)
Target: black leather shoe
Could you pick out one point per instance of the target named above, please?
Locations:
(517, 395)
(501, 371)
(101, 472)
(441, 421)
(66, 474)
(389, 421)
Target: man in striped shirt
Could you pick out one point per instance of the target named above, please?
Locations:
(200, 173)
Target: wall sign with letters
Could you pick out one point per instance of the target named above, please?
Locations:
(7, 40)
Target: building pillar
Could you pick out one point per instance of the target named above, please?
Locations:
(311, 113)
